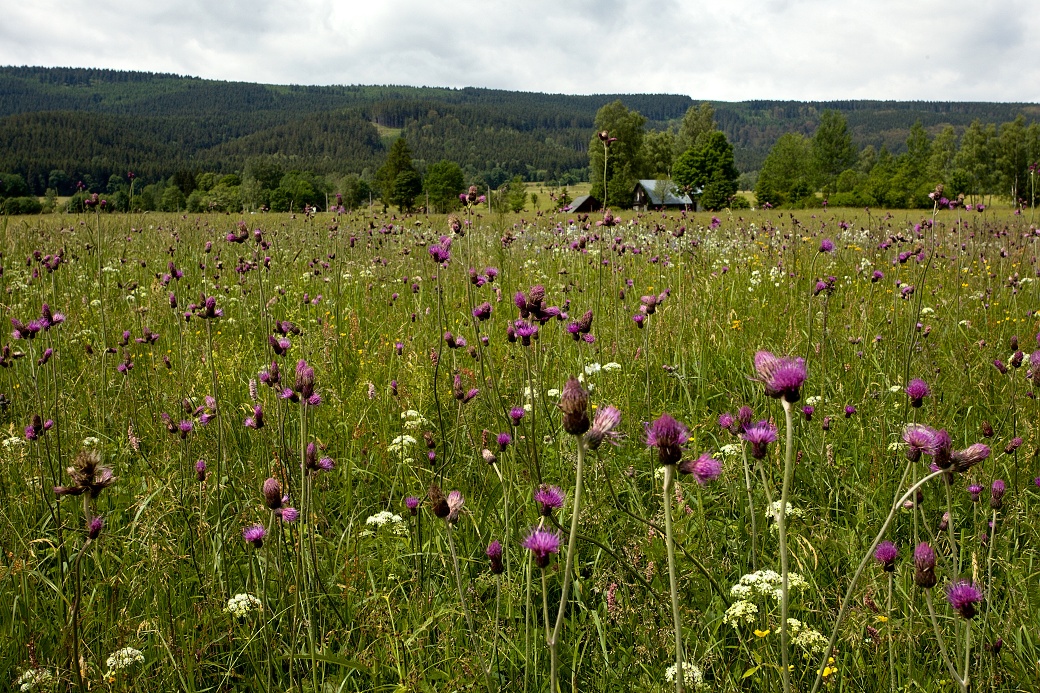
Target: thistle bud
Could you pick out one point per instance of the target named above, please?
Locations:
(574, 404)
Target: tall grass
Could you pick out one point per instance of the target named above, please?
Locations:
(346, 598)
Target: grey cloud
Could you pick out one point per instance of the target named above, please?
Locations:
(744, 49)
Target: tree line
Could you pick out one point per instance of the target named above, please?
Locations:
(985, 160)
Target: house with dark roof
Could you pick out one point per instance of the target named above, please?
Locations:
(585, 203)
(658, 194)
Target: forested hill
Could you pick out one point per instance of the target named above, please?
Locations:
(95, 123)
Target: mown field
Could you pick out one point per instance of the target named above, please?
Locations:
(146, 345)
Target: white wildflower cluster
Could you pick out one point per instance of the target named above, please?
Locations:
(34, 679)
(765, 583)
(592, 368)
(814, 401)
(413, 420)
(384, 518)
(242, 604)
(927, 310)
(730, 449)
(895, 388)
(754, 280)
(693, 677)
(805, 637)
(123, 659)
(13, 442)
(553, 392)
(91, 442)
(792, 511)
(740, 612)
(401, 444)
(612, 366)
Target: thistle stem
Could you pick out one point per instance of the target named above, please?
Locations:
(781, 518)
(572, 541)
(669, 480)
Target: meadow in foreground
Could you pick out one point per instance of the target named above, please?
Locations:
(355, 452)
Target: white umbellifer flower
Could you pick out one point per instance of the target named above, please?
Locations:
(612, 366)
(814, 400)
(895, 388)
(553, 392)
(34, 679)
(240, 605)
(90, 442)
(927, 311)
(740, 611)
(384, 518)
(124, 658)
(14, 442)
(805, 637)
(792, 511)
(400, 443)
(766, 583)
(593, 368)
(693, 677)
(730, 449)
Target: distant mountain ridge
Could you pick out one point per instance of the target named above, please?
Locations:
(96, 123)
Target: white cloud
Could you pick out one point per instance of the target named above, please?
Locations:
(743, 49)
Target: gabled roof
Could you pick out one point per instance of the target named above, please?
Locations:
(671, 196)
(585, 203)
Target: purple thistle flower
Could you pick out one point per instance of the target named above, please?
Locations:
(639, 319)
(185, 427)
(254, 534)
(412, 503)
(455, 503)
(549, 498)
(885, 554)
(704, 468)
(504, 440)
(1013, 445)
(482, 312)
(494, 554)
(200, 470)
(963, 595)
(963, 460)
(996, 499)
(542, 543)
(760, 435)
(516, 414)
(782, 376)
(603, 425)
(917, 390)
(849, 410)
(826, 245)
(924, 565)
(289, 514)
(975, 491)
(94, 527)
(999, 365)
(668, 436)
(727, 422)
(808, 411)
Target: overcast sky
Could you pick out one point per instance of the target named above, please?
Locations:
(731, 50)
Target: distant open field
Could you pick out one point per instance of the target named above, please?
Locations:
(266, 416)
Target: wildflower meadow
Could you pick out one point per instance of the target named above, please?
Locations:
(757, 451)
